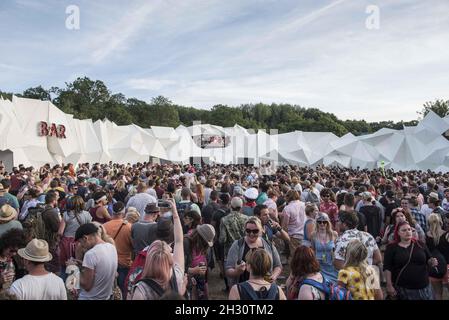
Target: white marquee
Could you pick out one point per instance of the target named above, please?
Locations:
(421, 147)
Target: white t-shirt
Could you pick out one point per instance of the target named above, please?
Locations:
(46, 287)
(140, 201)
(207, 192)
(103, 259)
(152, 192)
(426, 211)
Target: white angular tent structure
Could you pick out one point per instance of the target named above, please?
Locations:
(425, 146)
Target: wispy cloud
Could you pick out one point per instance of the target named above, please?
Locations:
(117, 37)
(8, 67)
(149, 84)
(315, 53)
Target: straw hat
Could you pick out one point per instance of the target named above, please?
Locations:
(36, 250)
(7, 213)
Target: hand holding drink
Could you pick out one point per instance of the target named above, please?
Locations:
(7, 277)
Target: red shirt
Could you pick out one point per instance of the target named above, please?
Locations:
(332, 210)
(15, 183)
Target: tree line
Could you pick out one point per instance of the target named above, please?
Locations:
(91, 99)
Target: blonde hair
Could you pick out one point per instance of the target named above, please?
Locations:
(256, 221)
(329, 231)
(103, 234)
(356, 256)
(132, 216)
(120, 185)
(310, 208)
(435, 227)
(158, 263)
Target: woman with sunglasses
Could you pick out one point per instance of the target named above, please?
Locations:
(323, 243)
(235, 264)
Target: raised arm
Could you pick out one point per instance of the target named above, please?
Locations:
(178, 251)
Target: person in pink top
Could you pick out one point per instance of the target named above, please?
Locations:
(329, 206)
(293, 219)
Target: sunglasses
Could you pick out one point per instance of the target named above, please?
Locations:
(321, 222)
(254, 231)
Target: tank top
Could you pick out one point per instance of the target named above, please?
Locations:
(306, 241)
(323, 252)
(93, 213)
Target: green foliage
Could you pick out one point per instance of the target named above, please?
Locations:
(88, 99)
(6, 95)
(440, 107)
(37, 93)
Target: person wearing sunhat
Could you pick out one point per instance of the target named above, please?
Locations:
(141, 231)
(196, 249)
(8, 219)
(99, 264)
(38, 284)
(120, 231)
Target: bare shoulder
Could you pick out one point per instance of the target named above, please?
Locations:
(234, 293)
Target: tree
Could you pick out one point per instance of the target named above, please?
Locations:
(6, 95)
(163, 112)
(91, 99)
(37, 93)
(115, 109)
(84, 98)
(440, 107)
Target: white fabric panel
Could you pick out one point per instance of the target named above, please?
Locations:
(421, 147)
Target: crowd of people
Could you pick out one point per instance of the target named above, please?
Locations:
(155, 231)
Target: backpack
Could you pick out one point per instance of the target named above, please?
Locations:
(135, 272)
(247, 292)
(241, 243)
(33, 224)
(312, 197)
(157, 288)
(330, 290)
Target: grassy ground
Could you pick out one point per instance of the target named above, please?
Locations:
(216, 284)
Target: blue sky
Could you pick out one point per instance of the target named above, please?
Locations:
(315, 53)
